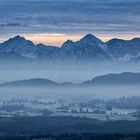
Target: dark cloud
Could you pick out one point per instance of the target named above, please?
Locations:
(70, 16)
(13, 25)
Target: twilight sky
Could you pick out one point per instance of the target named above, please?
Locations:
(54, 21)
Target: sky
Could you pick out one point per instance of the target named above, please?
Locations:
(54, 21)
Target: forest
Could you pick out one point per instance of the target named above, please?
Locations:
(86, 136)
(64, 125)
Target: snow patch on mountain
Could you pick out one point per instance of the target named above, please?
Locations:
(128, 57)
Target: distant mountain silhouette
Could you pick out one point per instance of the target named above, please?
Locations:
(126, 78)
(31, 82)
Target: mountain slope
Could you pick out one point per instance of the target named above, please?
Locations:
(124, 50)
(126, 78)
(21, 47)
(18, 45)
(88, 48)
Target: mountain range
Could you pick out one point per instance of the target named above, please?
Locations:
(126, 78)
(89, 48)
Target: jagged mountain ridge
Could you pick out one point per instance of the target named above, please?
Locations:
(88, 48)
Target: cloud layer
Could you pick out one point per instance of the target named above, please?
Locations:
(70, 16)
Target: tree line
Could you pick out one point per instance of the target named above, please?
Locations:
(83, 136)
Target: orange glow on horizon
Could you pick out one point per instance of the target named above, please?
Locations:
(51, 39)
(59, 39)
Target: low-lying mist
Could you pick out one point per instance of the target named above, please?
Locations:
(76, 73)
(75, 93)
(66, 73)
